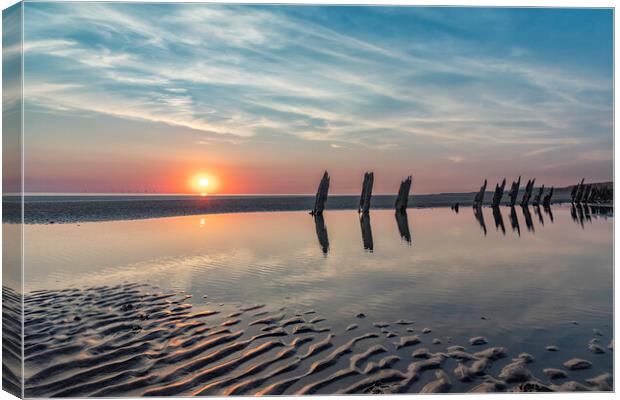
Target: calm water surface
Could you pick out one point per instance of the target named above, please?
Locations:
(520, 280)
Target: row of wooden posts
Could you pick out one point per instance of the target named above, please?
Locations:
(512, 194)
(402, 199)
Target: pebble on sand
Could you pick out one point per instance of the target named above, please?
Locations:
(597, 332)
(551, 348)
(527, 357)
(610, 346)
(577, 363)
(360, 315)
(381, 324)
(407, 341)
(478, 340)
(603, 382)
(436, 341)
(426, 330)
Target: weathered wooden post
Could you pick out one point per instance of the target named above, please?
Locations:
(528, 218)
(321, 195)
(586, 194)
(479, 197)
(538, 196)
(499, 193)
(576, 192)
(528, 192)
(547, 198)
(403, 195)
(514, 190)
(364, 206)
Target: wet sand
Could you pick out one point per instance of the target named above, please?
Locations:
(137, 340)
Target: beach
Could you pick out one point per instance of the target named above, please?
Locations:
(281, 303)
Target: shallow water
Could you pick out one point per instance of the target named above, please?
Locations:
(548, 281)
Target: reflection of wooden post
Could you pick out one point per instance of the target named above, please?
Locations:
(364, 206)
(514, 222)
(499, 193)
(547, 198)
(528, 218)
(538, 196)
(321, 233)
(403, 225)
(480, 218)
(366, 232)
(403, 195)
(321, 195)
(479, 198)
(514, 190)
(499, 220)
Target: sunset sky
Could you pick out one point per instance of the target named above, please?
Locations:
(262, 99)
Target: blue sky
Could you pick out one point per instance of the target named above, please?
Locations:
(123, 97)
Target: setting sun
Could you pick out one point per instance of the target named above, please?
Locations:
(201, 181)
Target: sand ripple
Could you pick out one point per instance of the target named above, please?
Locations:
(133, 340)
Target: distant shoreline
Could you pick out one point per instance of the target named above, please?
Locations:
(61, 209)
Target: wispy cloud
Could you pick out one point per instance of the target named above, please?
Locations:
(378, 80)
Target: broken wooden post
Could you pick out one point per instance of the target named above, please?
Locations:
(538, 196)
(576, 192)
(499, 193)
(547, 198)
(403, 195)
(479, 197)
(364, 206)
(528, 192)
(586, 194)
(514, 190)
(321, 195)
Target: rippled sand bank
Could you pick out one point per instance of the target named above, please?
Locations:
(135, 340)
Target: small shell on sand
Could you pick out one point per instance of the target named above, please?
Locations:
(436, 341)
(577, 363)
(554, 373)
(351, 327)
(595, 348)
(381, 324)
(410, 329)
(403, 322)
(407, 341)
(426, 330)
(551, 348)
(478, 340)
